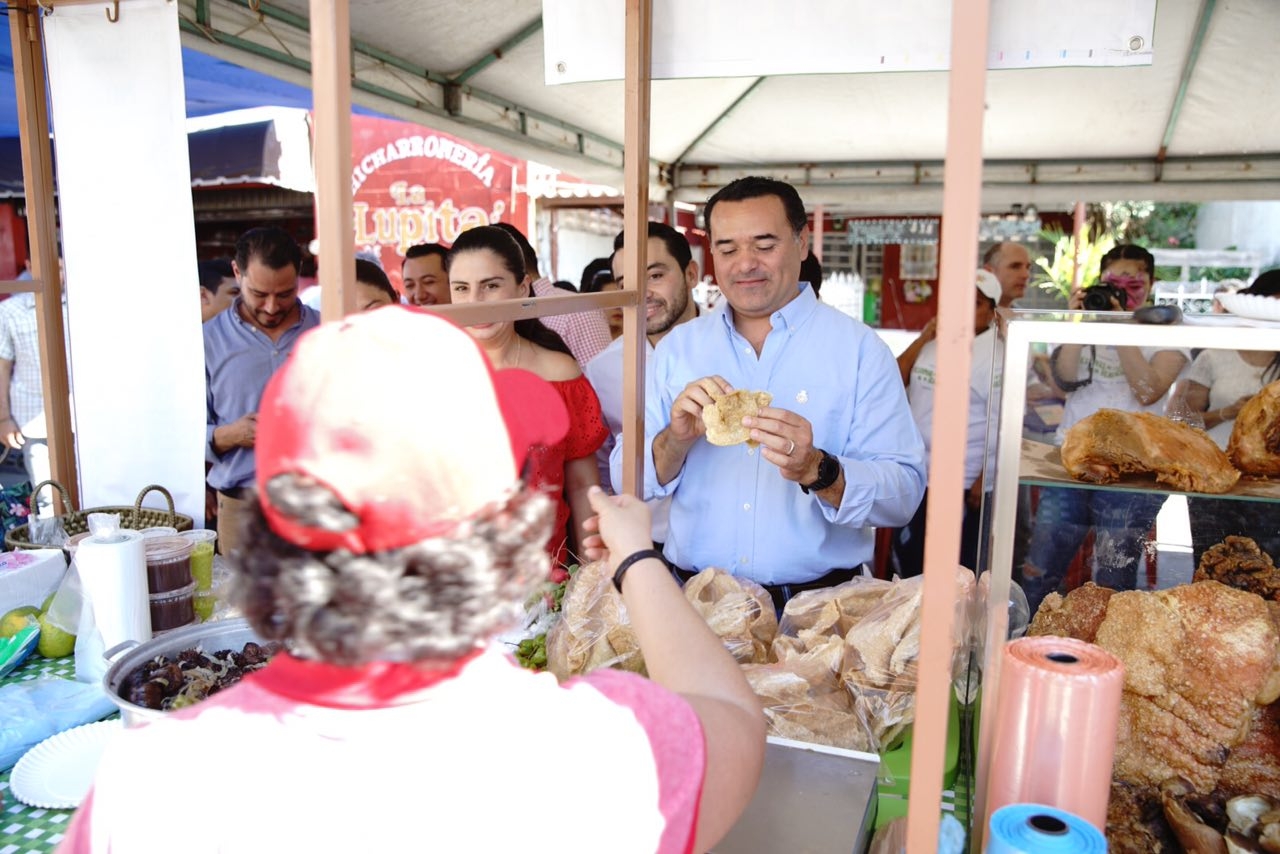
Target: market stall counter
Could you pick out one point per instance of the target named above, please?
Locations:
(802, 788)
(811, 798)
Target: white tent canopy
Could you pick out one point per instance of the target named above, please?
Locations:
(1195, 124)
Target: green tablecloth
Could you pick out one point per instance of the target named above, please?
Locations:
(24, 829)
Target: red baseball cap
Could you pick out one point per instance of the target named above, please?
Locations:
(410, 459)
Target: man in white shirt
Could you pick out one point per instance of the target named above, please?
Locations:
(918, 364)
(671, 276)
(22, 419)
(1011, 264)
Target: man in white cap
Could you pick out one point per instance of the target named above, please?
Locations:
(918, 364)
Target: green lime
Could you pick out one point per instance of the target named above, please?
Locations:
(17, 619)
(48, 600)
(54, 642)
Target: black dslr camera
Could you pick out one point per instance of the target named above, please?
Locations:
(1098, 298)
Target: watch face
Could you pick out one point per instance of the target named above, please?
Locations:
(828, 473)
(828, 469)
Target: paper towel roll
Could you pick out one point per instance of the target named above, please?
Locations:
(113, 575)
(1040, 829)
(1056, 727)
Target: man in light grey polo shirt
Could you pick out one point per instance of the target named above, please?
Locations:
(243, 347)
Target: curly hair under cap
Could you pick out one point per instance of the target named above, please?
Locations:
(435, 600)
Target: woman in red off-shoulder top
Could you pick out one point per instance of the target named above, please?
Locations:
(486, 264)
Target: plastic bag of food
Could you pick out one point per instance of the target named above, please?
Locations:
(806, 706)
(883, 652)
(738, 610)
(832, 609)
(969, 681)
(887, 637)
(820, 657)
(593, 630)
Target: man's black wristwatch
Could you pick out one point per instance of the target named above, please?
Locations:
(828, 473)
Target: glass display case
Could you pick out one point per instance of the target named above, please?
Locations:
(1064, 516)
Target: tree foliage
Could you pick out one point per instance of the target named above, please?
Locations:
(1056, 275)
(1164, 225)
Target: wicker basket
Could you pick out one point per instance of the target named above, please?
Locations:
(75, 522)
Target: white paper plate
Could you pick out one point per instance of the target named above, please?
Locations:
(57, 772)
(1214, 320)
(1251, 305)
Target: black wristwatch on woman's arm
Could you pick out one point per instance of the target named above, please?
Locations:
(828, 473)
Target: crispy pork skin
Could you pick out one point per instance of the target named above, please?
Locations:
(1254, 447)
(1110, 443)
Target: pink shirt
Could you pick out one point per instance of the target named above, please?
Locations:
(496, 759)
(586, 332)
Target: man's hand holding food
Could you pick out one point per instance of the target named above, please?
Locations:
(671, 446)
(785, 437)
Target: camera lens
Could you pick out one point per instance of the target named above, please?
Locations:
(1098, 298)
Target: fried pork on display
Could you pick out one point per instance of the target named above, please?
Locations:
(1255, 440)
(1199, 720)
(1110, 443)
(1076, 615)
(1238, 562)
(1136, 823)
(1197, 659)
(1254, 765)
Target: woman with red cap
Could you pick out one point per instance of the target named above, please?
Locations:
(391, 722)
(485, 264)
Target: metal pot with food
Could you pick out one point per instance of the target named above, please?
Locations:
(183, 667)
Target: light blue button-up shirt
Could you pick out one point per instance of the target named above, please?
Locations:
(239, 358)
(730, 507)
(604, 372)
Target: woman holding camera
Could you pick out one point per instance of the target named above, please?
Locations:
(1133, 379)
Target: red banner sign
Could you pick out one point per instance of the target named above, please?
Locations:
(413, 185)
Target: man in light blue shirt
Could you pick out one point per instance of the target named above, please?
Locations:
(839, 452)
(671, 276)
(243, 346)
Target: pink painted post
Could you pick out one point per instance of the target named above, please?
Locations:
(961, 204)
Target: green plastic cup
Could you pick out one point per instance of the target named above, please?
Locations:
(202, 543)
(204, 604)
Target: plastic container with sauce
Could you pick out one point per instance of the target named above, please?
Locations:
(173, 609)
(168, 563)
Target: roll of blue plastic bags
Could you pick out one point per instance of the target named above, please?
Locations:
(1039, 829)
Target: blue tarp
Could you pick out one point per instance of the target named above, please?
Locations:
(213, 86)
